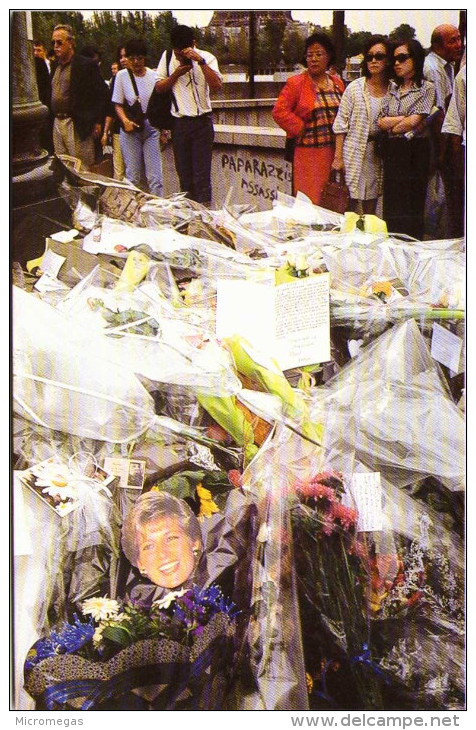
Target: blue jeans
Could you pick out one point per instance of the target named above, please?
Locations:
(141, 153)
(192, 140)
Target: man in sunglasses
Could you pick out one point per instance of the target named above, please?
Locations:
(77, 99)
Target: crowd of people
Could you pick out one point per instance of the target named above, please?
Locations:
(87, 113)
(397, 133)
(389, 131)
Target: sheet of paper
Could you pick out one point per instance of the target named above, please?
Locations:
(303, 322)
(366, 490)
(65, 236)
(246, 308)
(446, 347)
(52, 263)
(48, 283)
(289, 322)
(22, 519)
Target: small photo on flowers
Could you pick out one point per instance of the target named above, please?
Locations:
(136, 474)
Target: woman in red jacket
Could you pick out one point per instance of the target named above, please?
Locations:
(306, 109)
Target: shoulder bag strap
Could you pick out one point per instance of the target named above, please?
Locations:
(168, 57)
(134, 85)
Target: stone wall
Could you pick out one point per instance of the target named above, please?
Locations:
(248, 155)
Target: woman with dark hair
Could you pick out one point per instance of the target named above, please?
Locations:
(356, 127)
(406, 152)
(306, 109)
(140, 144)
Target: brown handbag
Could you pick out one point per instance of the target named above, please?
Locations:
(335, 193)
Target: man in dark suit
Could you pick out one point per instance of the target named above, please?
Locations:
(77, 99)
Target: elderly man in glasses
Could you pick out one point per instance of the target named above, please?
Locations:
(77, 99)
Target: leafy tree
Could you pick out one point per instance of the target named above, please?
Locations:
(355, 42)
(403, 32)
(293, 46)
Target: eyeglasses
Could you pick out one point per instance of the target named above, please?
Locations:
(136, 58)
(57, 43)
(378, 57)
(401, 57)
(315, 55)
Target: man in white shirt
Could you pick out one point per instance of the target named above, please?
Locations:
(191, 75)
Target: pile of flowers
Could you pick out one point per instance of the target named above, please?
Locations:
(376, 610)
(323, 492)
(179, 616)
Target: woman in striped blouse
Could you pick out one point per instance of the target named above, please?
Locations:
(306, 109)
(355, 126)
(406, 157)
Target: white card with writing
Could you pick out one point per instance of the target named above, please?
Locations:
(366, 490)
(289, 322)
(446, 347)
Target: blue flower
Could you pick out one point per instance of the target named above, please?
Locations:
(68, 639)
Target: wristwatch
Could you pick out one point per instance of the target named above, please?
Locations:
(202, 62)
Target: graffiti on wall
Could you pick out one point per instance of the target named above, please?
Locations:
(257, 177)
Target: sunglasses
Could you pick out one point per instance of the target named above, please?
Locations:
(378, 56)
(401, 57)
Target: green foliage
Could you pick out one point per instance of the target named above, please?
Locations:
(403, 32)
(293, 47)
(108, 30)
(355, 42)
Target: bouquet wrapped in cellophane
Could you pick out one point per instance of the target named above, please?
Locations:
(178, 654)
(381, 611)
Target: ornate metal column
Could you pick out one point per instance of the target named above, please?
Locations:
(30, 163)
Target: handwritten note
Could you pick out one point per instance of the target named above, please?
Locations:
(366, 490)
(446, 347)
(289, 322)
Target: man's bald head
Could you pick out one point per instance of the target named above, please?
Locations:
(446, 42)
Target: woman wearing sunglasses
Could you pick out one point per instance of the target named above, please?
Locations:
(406, 155)
(306, 109)
(355, 126)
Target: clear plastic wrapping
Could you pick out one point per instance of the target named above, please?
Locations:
(67, 380)
(396, 411)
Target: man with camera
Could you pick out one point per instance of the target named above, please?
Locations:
(190, 75)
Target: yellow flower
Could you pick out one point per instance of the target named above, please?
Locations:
(207, 505)
(309, 683)
(382, 287)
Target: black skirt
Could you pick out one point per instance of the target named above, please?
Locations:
(405, 179)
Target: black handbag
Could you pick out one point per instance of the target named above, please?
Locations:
(159, 107)
(134, 111)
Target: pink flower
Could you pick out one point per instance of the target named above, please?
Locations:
(345, 515)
